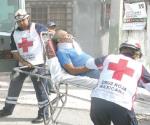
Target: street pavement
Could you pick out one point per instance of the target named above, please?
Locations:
(75, 112)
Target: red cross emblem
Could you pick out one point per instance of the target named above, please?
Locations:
(25, 44)
(120, 69)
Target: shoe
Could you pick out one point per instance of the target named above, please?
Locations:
(38, 119)
(4, 113)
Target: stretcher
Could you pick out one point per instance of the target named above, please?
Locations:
(56, 96)
(57, 93)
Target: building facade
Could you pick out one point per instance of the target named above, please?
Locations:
(88, 21)
(95, 24)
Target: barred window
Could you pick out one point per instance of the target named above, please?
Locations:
(39, 14)
(57, 13)
(60, 12)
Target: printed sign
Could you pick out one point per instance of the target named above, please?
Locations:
(135, 16)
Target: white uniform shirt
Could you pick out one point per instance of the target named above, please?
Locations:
(118, 80)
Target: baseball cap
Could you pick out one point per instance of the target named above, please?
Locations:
(51, 23)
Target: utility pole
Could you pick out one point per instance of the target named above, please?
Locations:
(22, 4)
(115, 25)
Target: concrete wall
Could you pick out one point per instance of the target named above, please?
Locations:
(115, 25)
(147, 45)
(86, 25)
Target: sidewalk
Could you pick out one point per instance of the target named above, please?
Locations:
(23, 114)
(76, 112)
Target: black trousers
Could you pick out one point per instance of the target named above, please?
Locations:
(104, 112)
(39, 84)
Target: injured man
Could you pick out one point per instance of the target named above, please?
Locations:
(59, 75)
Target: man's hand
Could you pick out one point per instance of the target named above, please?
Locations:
(70, 68)
(25, 63)
(17, 56)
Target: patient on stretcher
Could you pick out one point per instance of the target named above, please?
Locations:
(59, 75)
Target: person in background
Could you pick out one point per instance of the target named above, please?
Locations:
(113, 98)
(51, 27)
(71, 57)
(27, 49)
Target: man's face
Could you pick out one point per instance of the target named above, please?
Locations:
(65, 37)
(51, 30)
(24, 23)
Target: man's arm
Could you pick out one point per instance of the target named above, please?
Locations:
(66, 63)
(145, 78)
(70, 68)
(95, 63)
(17, 56)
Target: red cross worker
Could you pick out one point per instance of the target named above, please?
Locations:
(27, 49)
(113, 98)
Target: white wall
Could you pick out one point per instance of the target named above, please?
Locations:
(86, 25)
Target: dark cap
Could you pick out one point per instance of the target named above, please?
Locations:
(51, 23)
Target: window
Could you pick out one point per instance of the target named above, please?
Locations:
(8, 8)
(39, 14)
(61, 12)
(57, 13)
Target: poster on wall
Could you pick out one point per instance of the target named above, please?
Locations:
(135, 16)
